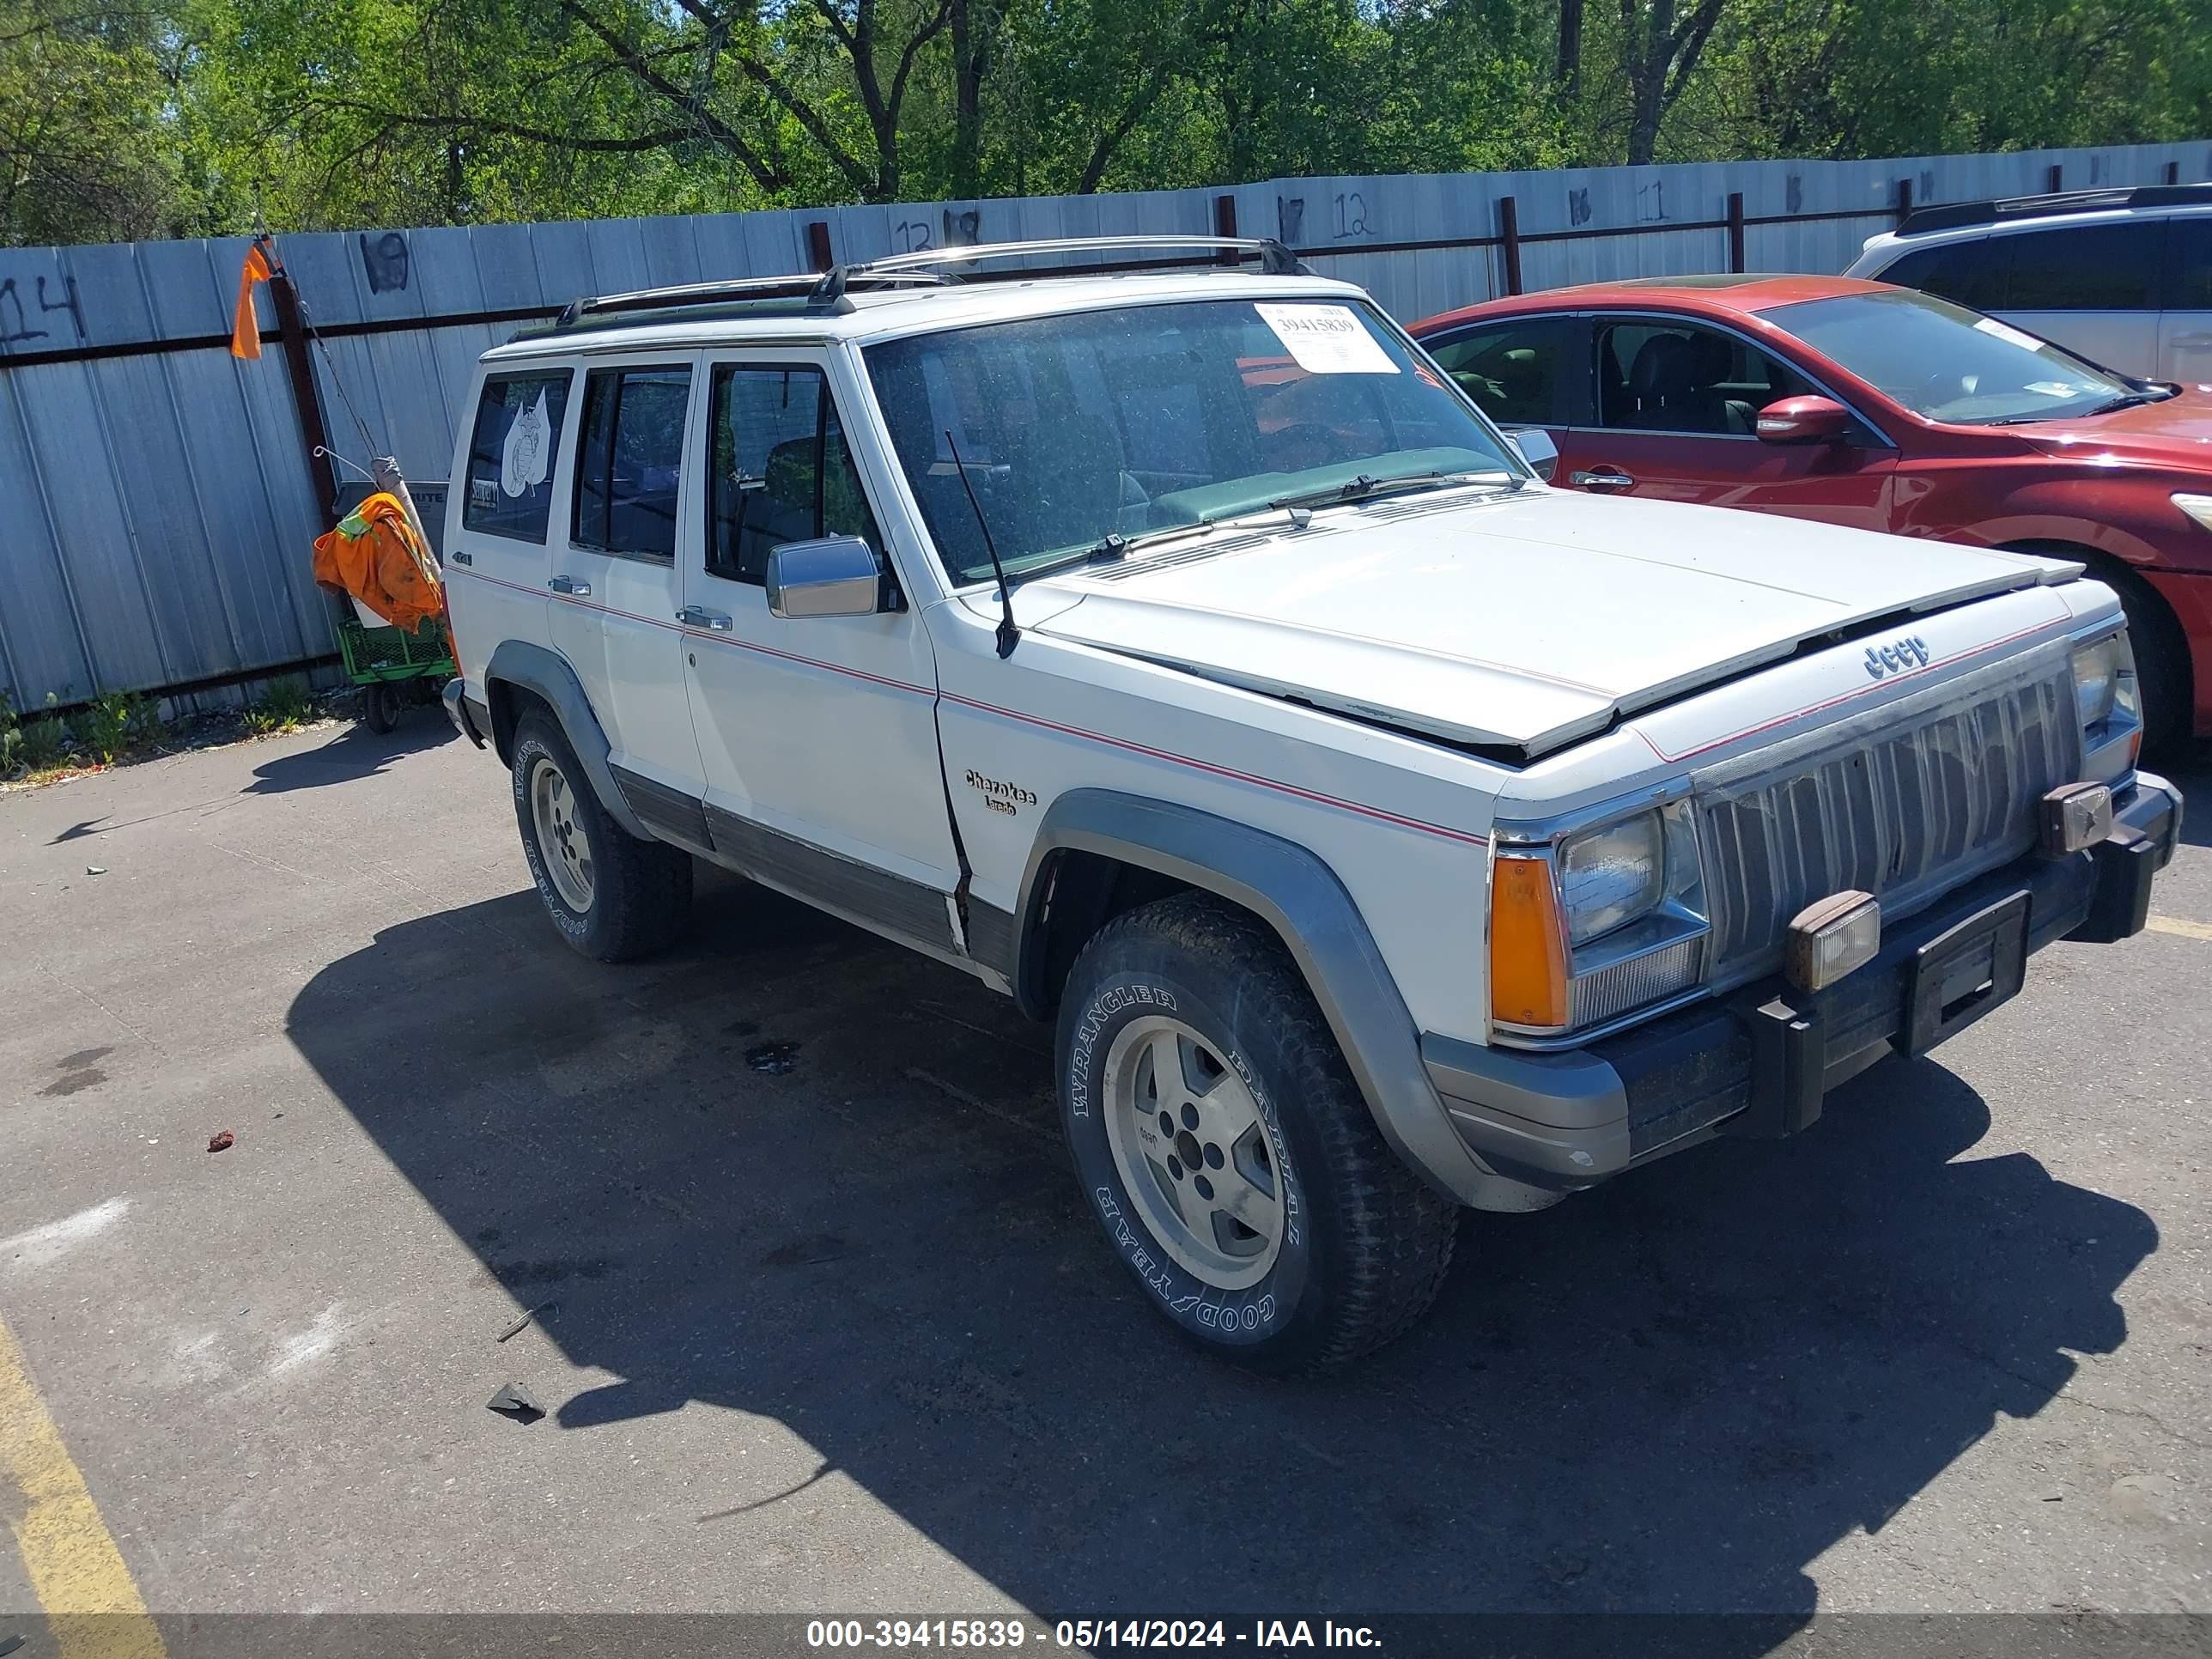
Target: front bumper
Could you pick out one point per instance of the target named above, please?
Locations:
(1760, 1060)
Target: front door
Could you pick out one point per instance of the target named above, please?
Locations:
(819, 734)
(1677, 408)
(615, 588)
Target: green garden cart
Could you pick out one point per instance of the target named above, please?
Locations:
(381, 658)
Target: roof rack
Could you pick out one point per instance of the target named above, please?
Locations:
(1950, 215)
(807, 285)
(826, 290)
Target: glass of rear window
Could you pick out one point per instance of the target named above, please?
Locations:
(508, 489)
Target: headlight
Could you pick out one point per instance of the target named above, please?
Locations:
(1612, 876)
(2108, 700)
(2097, 680)
(1596, 924)
(2199, 508)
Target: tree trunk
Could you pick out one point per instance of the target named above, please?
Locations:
(1568, 76)
(970, 59)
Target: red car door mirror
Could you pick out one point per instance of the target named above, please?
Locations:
(1803, 420)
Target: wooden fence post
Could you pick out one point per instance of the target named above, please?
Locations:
(1904, 200)
(302, 369)
(1735, 231)
(817, 245)
(1224, 224)
(1509, 234)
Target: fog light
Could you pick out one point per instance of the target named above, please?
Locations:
(1831, 938)
(2075, 815)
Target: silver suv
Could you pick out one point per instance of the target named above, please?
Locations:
(2122, 277)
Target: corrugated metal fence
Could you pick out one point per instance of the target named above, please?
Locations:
(161, 499)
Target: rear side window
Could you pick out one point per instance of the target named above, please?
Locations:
(2111, 267)
(509, 489)
(779, 470)
(1679, 377)
(1521, 372)
(1964, 273)
(629, 460)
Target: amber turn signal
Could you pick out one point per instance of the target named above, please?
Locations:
(1527, 943)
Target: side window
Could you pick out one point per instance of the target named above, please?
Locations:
(1518, 373)
(1679, 377)
(2084, 267)
(781, 470)
(629, 458)
(1965, 273)
(511, 454)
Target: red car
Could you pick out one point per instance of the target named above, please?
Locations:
(1831, 397)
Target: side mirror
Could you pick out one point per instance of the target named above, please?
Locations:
(832, 576)
(1804, 420)
(1536, 447)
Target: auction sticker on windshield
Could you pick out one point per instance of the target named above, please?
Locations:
(1326, 339)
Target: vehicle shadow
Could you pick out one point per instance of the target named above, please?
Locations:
(1673, 1394)
(355, 752)
(2190, 771)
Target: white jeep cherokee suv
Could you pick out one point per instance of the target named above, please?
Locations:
(1183, 655)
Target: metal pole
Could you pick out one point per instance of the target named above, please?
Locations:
(1904, 200)
(1509, 234)
(817, 245)
(1224, 224)
(294, 334)
(1735, 231)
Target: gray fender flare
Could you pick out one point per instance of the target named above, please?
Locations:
(534, 668)
(1299, 896)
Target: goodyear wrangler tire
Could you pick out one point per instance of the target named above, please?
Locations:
(613, 897)
(1226, 1150)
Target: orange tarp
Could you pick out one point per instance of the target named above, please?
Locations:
(376, 557)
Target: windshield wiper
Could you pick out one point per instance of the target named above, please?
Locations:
(1361, 488)
(2125, 400)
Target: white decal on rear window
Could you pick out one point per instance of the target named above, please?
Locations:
(528, 455)
(1326, 339)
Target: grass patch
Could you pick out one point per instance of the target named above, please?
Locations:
(286, 706)
(32, 747)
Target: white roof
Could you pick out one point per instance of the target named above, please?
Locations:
(2010, 223)
(887, 314)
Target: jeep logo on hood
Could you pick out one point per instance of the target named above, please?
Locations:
(1910, 652)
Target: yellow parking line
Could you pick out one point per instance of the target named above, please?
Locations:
(2175, 925)
(77, 1573)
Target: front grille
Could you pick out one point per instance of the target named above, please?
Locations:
(1904, 811)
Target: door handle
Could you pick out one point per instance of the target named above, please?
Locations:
(460, 557)
(567, 585)
(1607, 477)
(715, 622)
(2198, 339)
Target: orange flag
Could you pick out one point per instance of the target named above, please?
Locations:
(246, 328)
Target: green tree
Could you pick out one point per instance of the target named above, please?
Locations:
(88, 149)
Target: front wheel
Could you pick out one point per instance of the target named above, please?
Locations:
(1225, 1149)
(612, 897)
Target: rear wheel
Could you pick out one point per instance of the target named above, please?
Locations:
(612, 897)
(380, 706)
(1227, 1153)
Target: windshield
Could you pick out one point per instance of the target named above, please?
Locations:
(1948, 363)
(1082, 426)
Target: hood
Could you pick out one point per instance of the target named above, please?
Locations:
(1522, 621)
(2177, 433)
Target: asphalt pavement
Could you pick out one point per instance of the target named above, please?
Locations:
(819, 1326)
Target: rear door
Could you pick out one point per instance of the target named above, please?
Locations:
(1677, 409)
(496, 558)
(615, 591)
(2185, 345)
